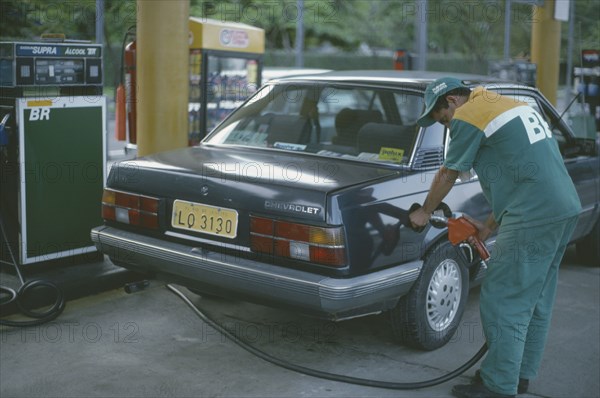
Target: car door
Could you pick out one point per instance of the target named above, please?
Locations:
(581, 165)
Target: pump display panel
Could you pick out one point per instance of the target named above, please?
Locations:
(59, 71)
(42, 64)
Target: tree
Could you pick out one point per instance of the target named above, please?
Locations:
(29, 19)
(473, 28)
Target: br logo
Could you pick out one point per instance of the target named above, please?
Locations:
(39, 114)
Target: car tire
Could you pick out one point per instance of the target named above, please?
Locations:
(588, 248)
(428, 316)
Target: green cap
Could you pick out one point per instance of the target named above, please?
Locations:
(434, 91)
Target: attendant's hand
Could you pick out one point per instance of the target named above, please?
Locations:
(484, 231)
(419, 218)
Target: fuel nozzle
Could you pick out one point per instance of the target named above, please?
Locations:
(460, 230)
(4, 136)
(3, 130)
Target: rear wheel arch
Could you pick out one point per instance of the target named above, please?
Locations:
(433, 238)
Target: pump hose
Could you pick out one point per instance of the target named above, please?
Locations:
(326, 375)
(15, 296)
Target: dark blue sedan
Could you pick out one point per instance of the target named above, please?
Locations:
(300, 198)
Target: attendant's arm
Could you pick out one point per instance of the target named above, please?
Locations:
(442, 184)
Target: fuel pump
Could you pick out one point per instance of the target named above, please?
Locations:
(53, 148)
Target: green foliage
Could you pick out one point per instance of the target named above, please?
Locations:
(473, 28)
(28, 19)
(587, 27)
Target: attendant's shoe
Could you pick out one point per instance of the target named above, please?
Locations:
(476, 390)
(521, 388)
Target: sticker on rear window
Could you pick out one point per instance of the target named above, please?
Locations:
(288, 146)
(391, 154)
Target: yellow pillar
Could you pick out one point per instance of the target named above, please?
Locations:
(162, 75)
(545, 48)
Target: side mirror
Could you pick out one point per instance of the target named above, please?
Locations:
(581, 147)
(587, 146)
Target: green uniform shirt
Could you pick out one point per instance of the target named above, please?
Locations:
(519, 165)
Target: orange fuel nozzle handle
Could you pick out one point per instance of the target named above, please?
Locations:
(459, 229)
(462, 230)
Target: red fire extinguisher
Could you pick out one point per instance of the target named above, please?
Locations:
(120, 113)
(130, 90)
(126, 100)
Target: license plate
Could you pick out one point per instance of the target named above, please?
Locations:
(206, 219)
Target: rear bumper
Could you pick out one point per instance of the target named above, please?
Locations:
(334, 298)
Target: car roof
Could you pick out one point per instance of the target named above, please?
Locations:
(419, 78)
(270, 73)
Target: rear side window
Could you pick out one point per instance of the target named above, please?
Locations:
(357, 123)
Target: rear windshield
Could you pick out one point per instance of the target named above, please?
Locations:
(365, 124)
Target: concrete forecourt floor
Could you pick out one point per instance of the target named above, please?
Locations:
(150, 344)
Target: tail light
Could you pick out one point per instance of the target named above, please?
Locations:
(130, 208)
(318, 245)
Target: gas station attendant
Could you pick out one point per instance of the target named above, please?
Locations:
(534, 208)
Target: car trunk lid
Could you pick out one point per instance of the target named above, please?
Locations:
(229, 184)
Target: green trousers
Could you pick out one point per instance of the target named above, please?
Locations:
(516, 301)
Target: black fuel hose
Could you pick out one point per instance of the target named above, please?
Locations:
(326, 375)
(38, 317)
(26, 288)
